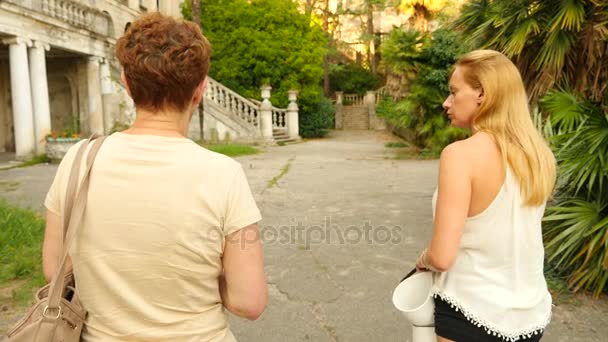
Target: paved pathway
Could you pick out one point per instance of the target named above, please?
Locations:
(343, 221)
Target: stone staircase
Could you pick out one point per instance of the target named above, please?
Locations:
(229, 116)
(281, 136)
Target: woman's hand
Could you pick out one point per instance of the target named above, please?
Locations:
(420, 263)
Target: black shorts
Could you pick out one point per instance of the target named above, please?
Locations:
(453, 325)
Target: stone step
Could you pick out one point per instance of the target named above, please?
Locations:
(285, 141)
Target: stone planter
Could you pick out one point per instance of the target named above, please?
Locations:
(56, 148)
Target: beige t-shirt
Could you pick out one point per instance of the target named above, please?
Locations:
(148, 256)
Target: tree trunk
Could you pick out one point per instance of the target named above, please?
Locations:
(196, 18)
(196, 12)
(326, 84)
(372, 40)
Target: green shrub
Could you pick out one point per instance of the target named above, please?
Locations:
(352, 79)
(316, 114)
(576, 224)
(421, 110)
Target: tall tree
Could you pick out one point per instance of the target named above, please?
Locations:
(196, 12)
(422, 11)
(551, 41)
(326, 85)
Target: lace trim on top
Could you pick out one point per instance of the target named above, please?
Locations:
(490, 328)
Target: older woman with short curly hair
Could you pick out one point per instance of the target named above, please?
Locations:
(169, 237)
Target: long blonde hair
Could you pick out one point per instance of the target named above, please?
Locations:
(504, 113)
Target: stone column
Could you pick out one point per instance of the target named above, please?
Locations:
(266, 114)
(339, 114)
(40, 94)
(94, 100)
(107, 89)
(370, 102)
(23, 119)
(374, 121)
(293, 123)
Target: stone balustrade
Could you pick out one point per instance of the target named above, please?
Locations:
(71, 12)
(353, 99)
(261, 115)
(279, 115)
(279, 118)
(232, 102)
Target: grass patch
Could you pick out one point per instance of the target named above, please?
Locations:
(231, 150)
(39, 159)
(396, 144)
(21, 233)
(275, 180)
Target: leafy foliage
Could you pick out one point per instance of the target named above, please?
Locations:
(352, 79)
(576, 229)
(560, 48)
(265, 42)
(421, 110)
(320, 117)
(552, 42)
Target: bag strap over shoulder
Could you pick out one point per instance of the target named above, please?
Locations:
(75, 208)
(70, 194)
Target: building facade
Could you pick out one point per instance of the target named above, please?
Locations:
(58, 71)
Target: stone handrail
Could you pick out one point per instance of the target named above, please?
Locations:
(380, 93)
(354, 100)
(279, 115)
(72, 12)
(232, 102)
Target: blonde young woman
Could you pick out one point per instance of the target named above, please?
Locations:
(486, 246)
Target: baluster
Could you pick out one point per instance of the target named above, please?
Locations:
(71, 16)
(232, 104)
(61, 10)
(45, 6)
(53, 8)
(64, 11)
(81, 17)
(241, 109)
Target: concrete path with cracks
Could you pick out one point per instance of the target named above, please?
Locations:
(343, 222)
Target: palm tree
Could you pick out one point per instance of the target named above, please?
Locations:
(576, 229)
(561, 49)
(422, 11)
(552, 42)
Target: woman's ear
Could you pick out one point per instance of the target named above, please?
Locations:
(124, 81)
(480, 97)
(199, 92)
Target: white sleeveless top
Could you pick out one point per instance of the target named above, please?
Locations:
(497, 279)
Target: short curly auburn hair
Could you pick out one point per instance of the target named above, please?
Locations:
(164, 60)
